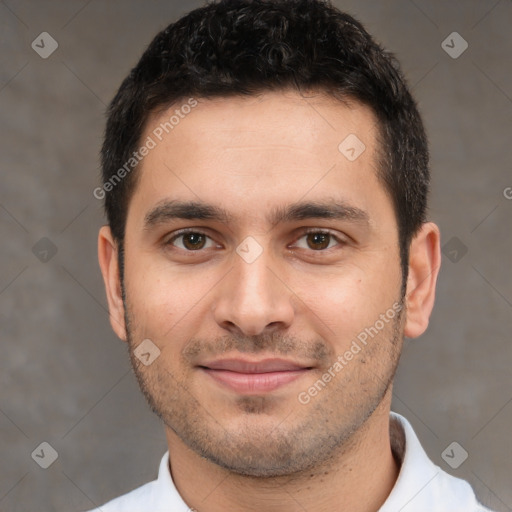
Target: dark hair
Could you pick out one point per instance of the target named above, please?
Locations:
(246, 47)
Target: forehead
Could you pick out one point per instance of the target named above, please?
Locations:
(315, 122)
(257, 152)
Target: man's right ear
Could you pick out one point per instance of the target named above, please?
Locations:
(109, 264)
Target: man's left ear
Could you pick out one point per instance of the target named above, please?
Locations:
(424, 264)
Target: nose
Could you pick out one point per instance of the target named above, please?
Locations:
(253, 298)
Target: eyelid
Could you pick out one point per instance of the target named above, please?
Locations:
(168, 240)
(340, 238)
(184, 231)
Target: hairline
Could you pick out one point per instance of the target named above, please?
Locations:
(382, 161)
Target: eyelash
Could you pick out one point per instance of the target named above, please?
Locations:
(183, 232)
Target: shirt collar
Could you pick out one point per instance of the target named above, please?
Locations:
(421, 485)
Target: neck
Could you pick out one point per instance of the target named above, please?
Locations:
(358, 477)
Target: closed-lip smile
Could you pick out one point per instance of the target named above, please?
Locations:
(254, 377)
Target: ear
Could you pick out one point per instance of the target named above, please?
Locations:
(424, 263)
(108, 259)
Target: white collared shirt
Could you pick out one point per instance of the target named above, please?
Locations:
(421, 485)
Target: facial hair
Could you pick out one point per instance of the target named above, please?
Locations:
(261, 436)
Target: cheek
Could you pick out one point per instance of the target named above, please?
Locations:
(160, 297)
(343, 304)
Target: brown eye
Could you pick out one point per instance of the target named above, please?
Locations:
(191, 241)
(318, 241)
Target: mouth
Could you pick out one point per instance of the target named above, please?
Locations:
(254, 377)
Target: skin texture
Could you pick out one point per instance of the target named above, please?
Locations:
(305, 298)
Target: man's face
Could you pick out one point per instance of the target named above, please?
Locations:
(251, 308)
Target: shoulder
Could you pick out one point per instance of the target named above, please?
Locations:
(157, 496)
(423, 486)
(137, 500)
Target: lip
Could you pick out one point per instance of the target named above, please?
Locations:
(253, 377)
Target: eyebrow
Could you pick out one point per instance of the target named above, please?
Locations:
(337, 210)
(169, 210)
(190, 210)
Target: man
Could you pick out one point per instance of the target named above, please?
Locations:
(265, 173)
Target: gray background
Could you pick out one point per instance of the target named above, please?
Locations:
(65, 378)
